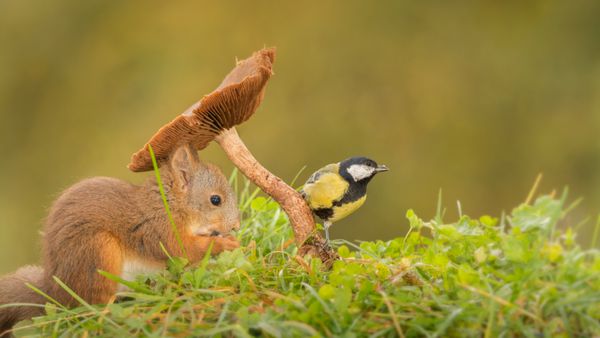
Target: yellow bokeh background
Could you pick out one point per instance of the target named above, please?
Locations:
(475, 98)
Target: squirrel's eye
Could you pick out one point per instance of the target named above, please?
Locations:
(215, 200)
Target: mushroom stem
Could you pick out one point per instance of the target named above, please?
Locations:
(289, 199)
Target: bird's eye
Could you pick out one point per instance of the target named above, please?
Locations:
(215, 200)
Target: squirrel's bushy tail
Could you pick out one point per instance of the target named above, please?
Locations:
(14, 290)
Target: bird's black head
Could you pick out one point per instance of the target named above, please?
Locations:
(360, 169)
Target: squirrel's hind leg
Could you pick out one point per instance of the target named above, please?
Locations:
(99, 251)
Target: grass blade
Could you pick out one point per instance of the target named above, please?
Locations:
(166, 203)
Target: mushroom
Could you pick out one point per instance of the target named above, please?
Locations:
(214, 117)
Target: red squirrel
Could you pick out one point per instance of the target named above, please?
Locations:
(107, 224)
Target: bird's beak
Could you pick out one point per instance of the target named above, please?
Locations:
(381, 168)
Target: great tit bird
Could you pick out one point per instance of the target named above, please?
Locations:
(338, 189)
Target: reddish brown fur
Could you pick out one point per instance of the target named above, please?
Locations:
(14, 290)
(99, 223)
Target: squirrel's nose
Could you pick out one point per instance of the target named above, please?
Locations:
(215, 233)
(236, 226)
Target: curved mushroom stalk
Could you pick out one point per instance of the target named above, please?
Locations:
(213, 118)
(289, 199)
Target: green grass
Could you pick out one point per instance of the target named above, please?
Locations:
(521, 275)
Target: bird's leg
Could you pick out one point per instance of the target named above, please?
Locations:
(326, 226)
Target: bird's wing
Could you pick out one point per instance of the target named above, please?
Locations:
(324, 187)
(330, 168)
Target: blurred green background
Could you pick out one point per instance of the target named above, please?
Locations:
(475, 98)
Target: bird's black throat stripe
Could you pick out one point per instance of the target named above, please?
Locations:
(356, 190)
(324, 213)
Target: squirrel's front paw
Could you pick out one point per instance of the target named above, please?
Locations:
(225, 244)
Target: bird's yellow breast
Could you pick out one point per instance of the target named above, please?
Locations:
(346, 209)
(328, 188)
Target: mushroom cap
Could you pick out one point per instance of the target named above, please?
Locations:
(232, 103)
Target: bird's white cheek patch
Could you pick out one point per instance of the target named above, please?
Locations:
(360, 171)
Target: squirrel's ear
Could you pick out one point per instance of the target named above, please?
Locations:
(184, 162)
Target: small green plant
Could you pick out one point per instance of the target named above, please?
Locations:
(523, 275)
